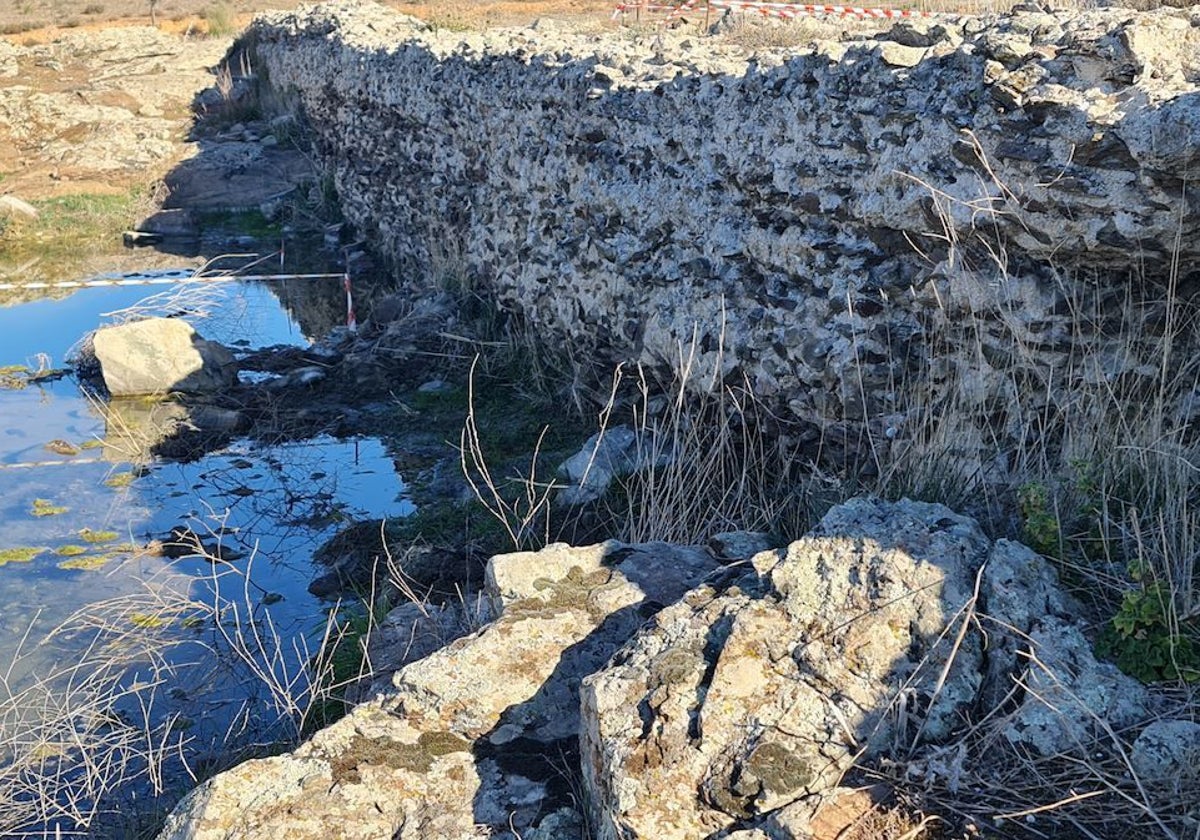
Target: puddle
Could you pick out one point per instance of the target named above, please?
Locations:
(264, 509)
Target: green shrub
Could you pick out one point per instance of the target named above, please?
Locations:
(1143, 643)
(1039, 521)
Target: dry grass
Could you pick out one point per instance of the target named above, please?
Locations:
(35, 21)
(83, 729)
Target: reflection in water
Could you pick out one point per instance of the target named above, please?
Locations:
(96, 569)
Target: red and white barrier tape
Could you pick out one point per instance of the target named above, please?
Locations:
(780, 10)
(625, 8)
(805, 9)
(683, 8)
(160, 281)
(351, 320)
(24, 465)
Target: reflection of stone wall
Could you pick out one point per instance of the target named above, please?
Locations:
(837, 217)
(317, 306)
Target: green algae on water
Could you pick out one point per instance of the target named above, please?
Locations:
(93, 537)
(61, 447)
(45, 507)
(14, 377)
(147, 621)
(86, 563)
(21, 554)
(82, 562)
(70, 550)
(119, 480)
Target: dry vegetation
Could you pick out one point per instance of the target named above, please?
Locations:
(39, 19)
(1107, 488)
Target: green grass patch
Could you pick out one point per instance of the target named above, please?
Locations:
(220, 20)
(69, 233)
(341, 660)
(19, 554)
(45, 507)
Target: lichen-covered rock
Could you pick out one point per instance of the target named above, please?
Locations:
(738, 709)
(761, 696)
(1168, 752)
(676, 697)
(412, 631)
(475, 739)
(831, 219)
(1065, 692)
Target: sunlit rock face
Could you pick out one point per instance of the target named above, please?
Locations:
(161, 355)
(652, 690)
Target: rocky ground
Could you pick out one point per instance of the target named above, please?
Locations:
(754, 687)
(105, 119)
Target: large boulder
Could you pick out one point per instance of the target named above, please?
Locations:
(883, 632)
(476, 739)
(160, 355)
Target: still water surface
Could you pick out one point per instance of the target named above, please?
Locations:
(269, 507)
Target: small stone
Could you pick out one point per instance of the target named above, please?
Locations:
(1166, 751)
(734, 546)
(10, 205)
(898, 55)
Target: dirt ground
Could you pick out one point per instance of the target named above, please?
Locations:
(33, 21)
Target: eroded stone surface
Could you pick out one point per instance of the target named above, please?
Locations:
(476, 738)
(739, 709)
(98, 107)
(682, 698)
(786, 216)
(760, 697)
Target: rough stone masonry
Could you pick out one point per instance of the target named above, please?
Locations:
(833, 221)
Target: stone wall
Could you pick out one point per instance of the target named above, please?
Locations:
(831, 220)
